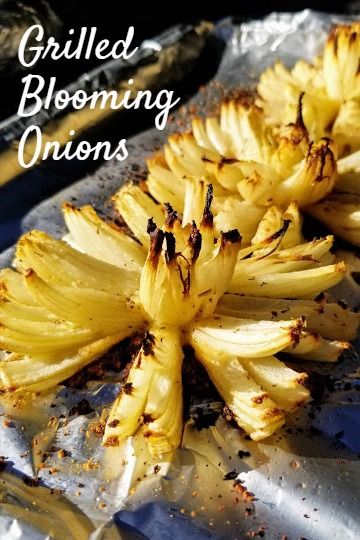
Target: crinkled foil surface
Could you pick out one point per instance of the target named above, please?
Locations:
(305, 479)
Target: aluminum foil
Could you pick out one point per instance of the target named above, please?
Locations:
(300, 483)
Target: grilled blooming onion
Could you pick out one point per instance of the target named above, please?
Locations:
(69, 301)
(331, 107)
(250, 167)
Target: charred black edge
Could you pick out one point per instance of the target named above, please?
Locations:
(31, 482)
(321, 300)
(114, 423)
(227, 161)
(353, 37)
(195, 241)
(207, 217)
(156, 242)
(127, 388)
(148, 344)
(230, 237)
(309, 150)
(29, 272)
(138, 359)
(69, 206)
(278, 235)
(185, 280)
(170, 252)
(299, 115)
(333, 37)
(347, 30)
(296, 330)
(171, 215)
(147, 349)
(220, 163)
(322, 151)
(151, 226)
(146, 418)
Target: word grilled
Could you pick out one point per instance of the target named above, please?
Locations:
(39, 94)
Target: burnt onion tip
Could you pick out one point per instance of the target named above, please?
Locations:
(170, 253)
(170, 215)
(207, 218)
(151, 226)
(148, 343)
(299, 115)
(230, 237)
(156, 242)
(195, 241)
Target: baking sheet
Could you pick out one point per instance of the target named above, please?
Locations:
(303, 482)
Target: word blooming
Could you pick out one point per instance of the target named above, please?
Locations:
(39, 94)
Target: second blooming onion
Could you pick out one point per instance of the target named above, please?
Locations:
(66, 302)
(330, 87)
(296, 140)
